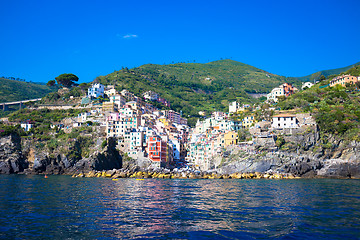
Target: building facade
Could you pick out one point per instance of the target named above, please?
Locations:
(96, 90)
(343, 80)
(284, 121)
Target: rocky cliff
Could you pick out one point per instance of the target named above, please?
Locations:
(302, 154)
(11, 158)
(26, 158)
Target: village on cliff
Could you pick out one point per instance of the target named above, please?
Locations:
(164, 137)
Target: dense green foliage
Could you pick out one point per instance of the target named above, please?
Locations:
(51, 83)
(43, 116)
(194, 87)
(336, 109)
(63, 96)
(354, 71)
(6, 130)
(12, 90)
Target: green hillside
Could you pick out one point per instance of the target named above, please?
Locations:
(214, 76)
(194, 87)
(327, 73)
(12, 90)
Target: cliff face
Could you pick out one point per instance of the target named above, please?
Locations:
(11, 158)
(15, 158)
(107, 159)
(303, 154)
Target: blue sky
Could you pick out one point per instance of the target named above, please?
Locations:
(43, 39)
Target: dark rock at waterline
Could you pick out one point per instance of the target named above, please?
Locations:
(338, 168)
(43, 163)
(11, 158)
(108, 159)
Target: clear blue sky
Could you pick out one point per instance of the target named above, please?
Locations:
(43, 39)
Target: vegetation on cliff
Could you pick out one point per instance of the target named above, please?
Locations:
(335, 109)
(45, 134)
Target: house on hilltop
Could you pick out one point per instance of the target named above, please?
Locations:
(285, 89)
(343, 80)
(306, 85)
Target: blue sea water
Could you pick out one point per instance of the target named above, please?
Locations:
(61, 207)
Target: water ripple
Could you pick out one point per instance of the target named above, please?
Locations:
(32, 207)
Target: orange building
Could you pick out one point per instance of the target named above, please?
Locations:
(343, 80)
(289, 89)
(156, 149)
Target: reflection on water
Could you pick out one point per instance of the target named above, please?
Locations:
(61, 207)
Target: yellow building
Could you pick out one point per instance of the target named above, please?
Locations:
(164, 120)
(230, 138)
(109, 107)
(248, 121)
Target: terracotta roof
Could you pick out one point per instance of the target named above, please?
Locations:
(284, 115)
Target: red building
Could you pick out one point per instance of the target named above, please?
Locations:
(289, 89)
(156, 149)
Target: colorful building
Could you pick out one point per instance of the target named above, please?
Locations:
(157, 150)
(285, 89)
(230, 138)
(248, 121)
(343, 80)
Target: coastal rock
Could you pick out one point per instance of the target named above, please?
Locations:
(339, 168)
(11, 158)
(108, 159)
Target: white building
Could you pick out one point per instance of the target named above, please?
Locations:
(307, 85)
(152, 96)
(127, 112)
(118, 100)
(83, 117)
(233, 107)
(276, 92)
(285, 121)
(176, 149)
(26, 126)
(110, 90)
(96, 90)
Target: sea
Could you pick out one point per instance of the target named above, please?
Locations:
(61, 207)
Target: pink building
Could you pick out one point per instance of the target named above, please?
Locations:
(173, 116)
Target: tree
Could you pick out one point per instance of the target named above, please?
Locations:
(84, 86)
(322, 77)
(280, 141)
(243, 135)
(66, 79)
(51, 83)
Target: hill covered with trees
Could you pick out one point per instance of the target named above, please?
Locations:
(13, 90)
(328, 73)
(194, 87)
